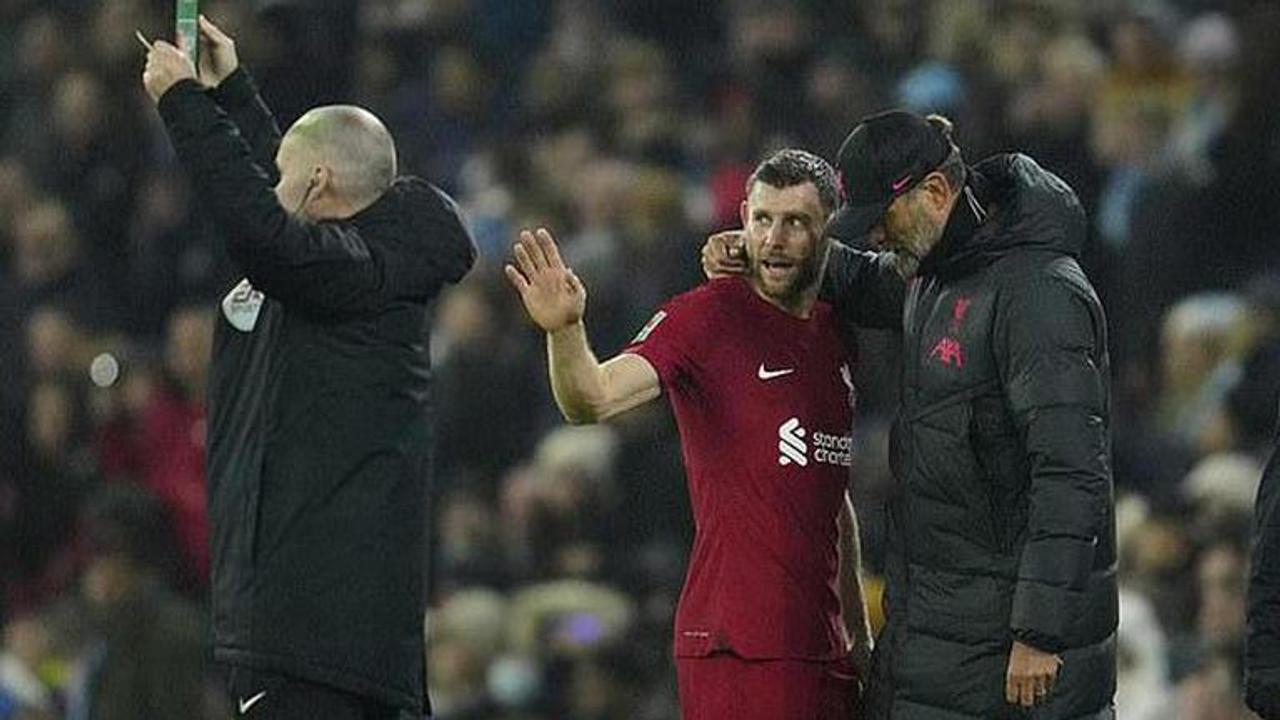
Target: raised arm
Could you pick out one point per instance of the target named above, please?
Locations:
(235, 91)
(324, 268)
(330, 270)
(238, 96)
(585, 389)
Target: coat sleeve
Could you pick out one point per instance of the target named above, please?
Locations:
(1262, 648)
(238, 95)
(325, 269)
(1049, 344)
(863, 287)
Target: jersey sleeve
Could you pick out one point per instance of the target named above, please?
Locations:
(669, 341)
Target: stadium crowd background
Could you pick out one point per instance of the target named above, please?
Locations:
(629, 127)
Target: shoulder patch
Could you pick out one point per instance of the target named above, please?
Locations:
(648, 328)
(242, 305)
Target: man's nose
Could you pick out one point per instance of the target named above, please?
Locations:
(776, 237)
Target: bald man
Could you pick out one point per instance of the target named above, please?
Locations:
(319, 424)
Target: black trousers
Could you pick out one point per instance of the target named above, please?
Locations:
(263, 695)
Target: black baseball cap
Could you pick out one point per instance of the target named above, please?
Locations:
(885, 156)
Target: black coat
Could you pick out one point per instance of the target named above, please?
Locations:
(1262, 651)
(1001, 525)
(320, 420)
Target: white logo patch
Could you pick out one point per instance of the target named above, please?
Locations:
(791, 443)
(242, 305)
(657, 318)
(827, 449)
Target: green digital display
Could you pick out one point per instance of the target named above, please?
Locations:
(188, 32)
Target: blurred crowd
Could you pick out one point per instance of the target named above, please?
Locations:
(628, 127)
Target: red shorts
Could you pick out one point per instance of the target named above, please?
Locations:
(724, 686)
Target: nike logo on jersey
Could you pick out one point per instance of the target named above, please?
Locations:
(245, 704)
(766, 374)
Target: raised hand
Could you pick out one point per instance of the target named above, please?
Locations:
(166, 67)
(217, 54)
(724, 253)
(552, 295)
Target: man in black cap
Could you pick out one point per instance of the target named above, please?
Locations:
(1000, 587)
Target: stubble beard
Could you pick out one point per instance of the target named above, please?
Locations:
(793, 291)
(913, 244)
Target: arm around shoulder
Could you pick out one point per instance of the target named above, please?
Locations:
(864, 287)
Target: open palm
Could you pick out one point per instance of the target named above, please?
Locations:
(553, 296)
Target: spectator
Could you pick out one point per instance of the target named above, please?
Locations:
(1195, 341)
(1209, 48)
(470, 551)
(49, 264)
(1222, 585)
(143, 654)
(1213, 691)
(58, 473)
(174, 438)
(465, 635)
(481, 366)
(94, 157)
(25, 649)
(1143, 691)
(16, 192)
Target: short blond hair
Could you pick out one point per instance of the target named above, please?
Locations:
(353, 143)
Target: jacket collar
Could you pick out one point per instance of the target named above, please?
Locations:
(952, 256)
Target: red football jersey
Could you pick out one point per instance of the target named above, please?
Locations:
(764, 404)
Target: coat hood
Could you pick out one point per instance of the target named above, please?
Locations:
(1010, 203)
(413, 211)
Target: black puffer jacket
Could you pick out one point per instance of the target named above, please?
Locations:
(321, 422)
(1262, 655)
(1001, 525)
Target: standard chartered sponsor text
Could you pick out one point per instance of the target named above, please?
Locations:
(832, 449)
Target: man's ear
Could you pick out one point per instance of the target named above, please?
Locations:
(322, 179)
(937, 191)
(742, 214)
